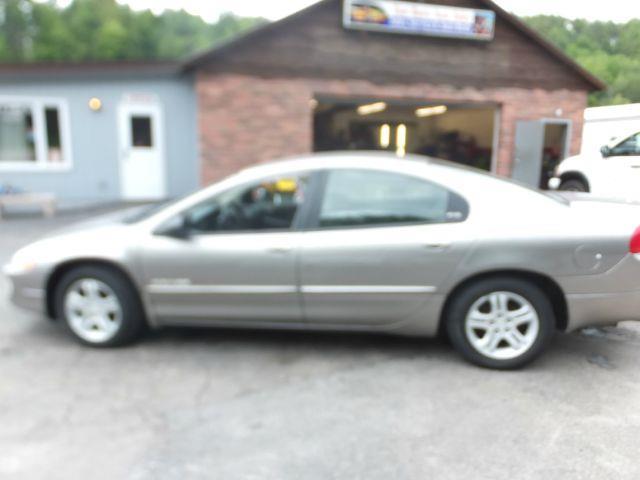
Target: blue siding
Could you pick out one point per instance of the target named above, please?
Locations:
(94, 176)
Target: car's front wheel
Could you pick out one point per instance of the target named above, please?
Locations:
(501, 323)
(99, 307)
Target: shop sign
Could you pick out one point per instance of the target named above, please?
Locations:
(419, 19)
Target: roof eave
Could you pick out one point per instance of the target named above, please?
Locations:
(199, 59)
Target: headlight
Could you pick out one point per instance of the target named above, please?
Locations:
(22, 262)
(554, 183)
(20, 267)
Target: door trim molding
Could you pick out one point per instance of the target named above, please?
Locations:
(324, 289)
(220, 289)
(274, 289)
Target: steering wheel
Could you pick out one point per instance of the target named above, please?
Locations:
(232, 216)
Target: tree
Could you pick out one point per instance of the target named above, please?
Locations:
(16, 28)
(105, 30)
(609, 50)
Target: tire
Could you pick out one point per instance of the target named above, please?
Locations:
(573, 185)
(478, 310)
(115, 315)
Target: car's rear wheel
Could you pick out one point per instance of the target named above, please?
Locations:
(99, 307)
(573, 185)
(501, 323)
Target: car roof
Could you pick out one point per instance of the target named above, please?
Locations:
(467, 181)
(351, 159)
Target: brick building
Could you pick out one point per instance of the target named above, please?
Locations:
(307, 83)
(482, 89)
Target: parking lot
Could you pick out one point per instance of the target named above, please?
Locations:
(264, 405)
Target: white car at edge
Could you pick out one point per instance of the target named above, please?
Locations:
(613, 172)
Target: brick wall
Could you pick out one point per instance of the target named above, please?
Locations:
(245, 120)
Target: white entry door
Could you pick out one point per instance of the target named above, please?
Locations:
(142, 162)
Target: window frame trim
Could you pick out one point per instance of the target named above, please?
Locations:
(38, 105)
(313, 219)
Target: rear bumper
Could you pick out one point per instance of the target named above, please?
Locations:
(587, 310)
(616, 298)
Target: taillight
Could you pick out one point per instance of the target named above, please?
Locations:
(634, 244)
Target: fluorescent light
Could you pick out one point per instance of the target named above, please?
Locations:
(385, 135)
(430, 111)
(401, 140)
(372, 108)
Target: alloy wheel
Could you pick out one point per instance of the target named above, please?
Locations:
(502, 325)
(92, 310)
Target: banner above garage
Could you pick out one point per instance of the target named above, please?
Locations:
(419, 18)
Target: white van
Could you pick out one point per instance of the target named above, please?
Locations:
(609, 162)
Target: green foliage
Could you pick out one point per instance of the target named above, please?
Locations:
(609, 50)
(106, 30)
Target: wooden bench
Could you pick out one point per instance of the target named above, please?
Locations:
(46, 202)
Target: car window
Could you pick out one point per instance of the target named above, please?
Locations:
(265, 205)
(630, 146)
(363, 197)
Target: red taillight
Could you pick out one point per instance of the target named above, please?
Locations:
(634, 244)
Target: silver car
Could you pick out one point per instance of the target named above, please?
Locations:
(353, 242)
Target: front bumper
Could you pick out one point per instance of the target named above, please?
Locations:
(27, 289)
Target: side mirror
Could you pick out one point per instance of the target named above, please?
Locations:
(605, 151)
(178, 227)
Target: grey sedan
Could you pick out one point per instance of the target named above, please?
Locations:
(351, 242)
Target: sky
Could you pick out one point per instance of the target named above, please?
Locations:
(615, 10)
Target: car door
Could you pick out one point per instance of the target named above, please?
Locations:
(621, 169)
(381, 245)
(238, 262)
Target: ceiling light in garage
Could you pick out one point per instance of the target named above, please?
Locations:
(372, 108)
(385, 135)
(430, 111)
(401, 140)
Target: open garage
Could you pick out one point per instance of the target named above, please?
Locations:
(463, 133)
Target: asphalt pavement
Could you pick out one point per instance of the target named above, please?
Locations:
(221, 404)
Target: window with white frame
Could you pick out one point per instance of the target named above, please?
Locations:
(33, 133)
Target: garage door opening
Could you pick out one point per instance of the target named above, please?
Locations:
(556, 148)
(462, 133)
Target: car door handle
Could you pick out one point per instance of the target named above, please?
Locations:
(437, 245)
(279, 250)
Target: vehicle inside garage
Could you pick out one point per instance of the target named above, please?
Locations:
(462, 133)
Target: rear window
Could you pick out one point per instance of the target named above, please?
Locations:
(355, 198)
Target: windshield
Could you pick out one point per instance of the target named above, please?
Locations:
(147, 211)
(546, 193)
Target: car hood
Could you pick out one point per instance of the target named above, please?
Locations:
(107, 237)
(112, 219)
(577, 161)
